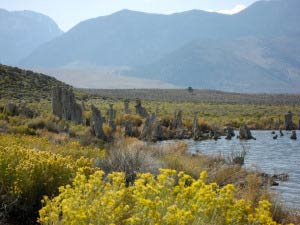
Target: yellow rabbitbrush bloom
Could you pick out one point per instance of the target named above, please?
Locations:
(67, 148)
(26, 175)
(169, 198)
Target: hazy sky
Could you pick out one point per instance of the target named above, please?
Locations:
(68, 13)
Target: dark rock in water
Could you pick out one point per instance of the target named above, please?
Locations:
(230, 130)
(281, 177)
(245, 133)
(274, 183)
(229, 133)
(11, 109)
(273, 132)
(281, 134)
(64, 105)
(273, 180)
(216, 138)
(140, 110)
(97, 123)
(294, 135)
(288, 121)
(177, 122)
(275, 137)
(228, 137)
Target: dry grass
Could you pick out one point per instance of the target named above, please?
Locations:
(131, 157)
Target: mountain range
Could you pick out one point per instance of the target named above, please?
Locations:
(23, 31)
(256, 50)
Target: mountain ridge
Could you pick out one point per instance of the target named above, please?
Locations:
(23, 31)
(155, 46)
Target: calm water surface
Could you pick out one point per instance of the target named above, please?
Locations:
(271, 156)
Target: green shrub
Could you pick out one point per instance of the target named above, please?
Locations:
(22, 129)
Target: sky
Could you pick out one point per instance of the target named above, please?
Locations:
(68, 13)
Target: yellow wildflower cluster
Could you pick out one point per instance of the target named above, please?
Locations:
(65, 147)
(170, 198)
(26, 175)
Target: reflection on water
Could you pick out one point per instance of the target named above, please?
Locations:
(272, 156)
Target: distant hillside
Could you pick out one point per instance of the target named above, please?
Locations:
(23, 31)
(256, 50)
(129, 38)
(24, 84)
(242, 65)
(197, 96)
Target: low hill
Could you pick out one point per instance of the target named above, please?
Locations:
(16, 83)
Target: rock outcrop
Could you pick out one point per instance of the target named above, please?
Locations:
(177, 122)
(245, 133)
(96, 123)
(112, 117)
(130, 129)
(140, 110)
(126, 107)
(64, 105)
(196, 132)
(157, 133)
(288, 121)
(152, 129)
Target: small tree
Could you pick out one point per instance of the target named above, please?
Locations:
(190, 89)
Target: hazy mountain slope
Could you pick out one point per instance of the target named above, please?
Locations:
(269, 18)
(21, 32)
(243, 65)
(256, 50)
(125, 38)
(133, 38)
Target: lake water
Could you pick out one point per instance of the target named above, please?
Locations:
(265, 153)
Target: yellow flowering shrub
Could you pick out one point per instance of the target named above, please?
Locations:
(26, 175)
(169, 198)
(65, 147)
